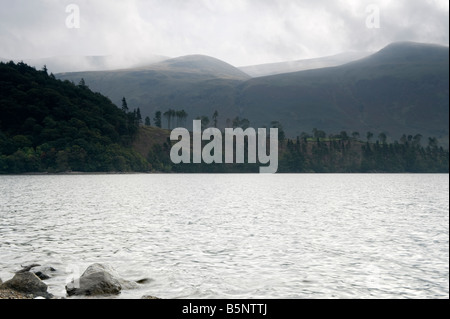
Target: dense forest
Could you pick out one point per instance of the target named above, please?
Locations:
(345, 154)
(47, 125)
(52, 126)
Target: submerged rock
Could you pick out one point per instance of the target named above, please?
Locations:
(27, 268)
(43, 272)
(27, 283)
(99, 280)
(144, 281)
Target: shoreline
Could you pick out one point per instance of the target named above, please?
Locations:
(216, 173)
(9, 294)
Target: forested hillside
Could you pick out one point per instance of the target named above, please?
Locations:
(47, 125)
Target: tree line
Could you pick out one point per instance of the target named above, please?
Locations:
(319, 152)
(344, 154)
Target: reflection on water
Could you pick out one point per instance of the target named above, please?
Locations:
(235, 236)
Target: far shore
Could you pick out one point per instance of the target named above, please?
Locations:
(214, 173)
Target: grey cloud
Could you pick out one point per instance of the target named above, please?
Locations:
(241, 32)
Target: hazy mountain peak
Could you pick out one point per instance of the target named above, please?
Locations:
(202, 64)
(407, 52)
(412, 45)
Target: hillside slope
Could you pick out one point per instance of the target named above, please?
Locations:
(51, 126)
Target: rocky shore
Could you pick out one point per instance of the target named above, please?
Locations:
(11, 294)
(98, 280)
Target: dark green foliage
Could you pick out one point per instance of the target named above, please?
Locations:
(124, 105)
(47, 125)
(204, 120)
(215, 118)
(157, 119)
(139, 116)
(174, 118)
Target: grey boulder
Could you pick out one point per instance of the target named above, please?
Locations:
(98, 280)
(27, 283)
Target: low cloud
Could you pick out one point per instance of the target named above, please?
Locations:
(241, 32)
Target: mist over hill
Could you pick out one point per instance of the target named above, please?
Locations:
(60, 64)
(402, 89)
(302, 65)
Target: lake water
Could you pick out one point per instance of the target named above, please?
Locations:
(235, 236)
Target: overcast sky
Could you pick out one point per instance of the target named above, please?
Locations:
(240, 32)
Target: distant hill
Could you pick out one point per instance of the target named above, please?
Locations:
(402, 89)
(302, 65)
(204, 66)
(196, 83)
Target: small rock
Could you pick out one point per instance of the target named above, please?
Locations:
(150, 297)
(43, 272)
(41, 275)
(144, 281)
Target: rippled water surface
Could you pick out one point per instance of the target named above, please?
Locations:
(235, 236)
